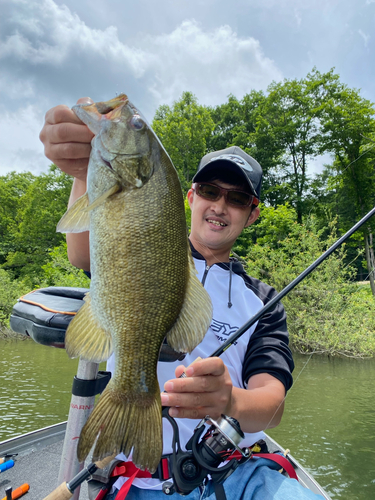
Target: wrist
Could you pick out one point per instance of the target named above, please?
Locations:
(79, 188)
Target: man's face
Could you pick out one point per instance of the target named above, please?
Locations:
(215, 224)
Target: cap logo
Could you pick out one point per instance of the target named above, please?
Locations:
(236, 159)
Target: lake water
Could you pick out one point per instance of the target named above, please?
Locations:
(328, 424)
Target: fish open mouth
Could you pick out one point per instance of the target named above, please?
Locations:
(106, 107)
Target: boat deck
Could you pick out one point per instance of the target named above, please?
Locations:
(38, 463)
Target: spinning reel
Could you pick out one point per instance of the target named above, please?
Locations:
(204, 456)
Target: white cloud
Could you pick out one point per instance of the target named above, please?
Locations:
(298, 17)
(21, 149)
(49, 55)
(365, 37)
(54, 34)
(212, 63)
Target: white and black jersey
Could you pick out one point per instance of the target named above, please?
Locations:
(236, 297)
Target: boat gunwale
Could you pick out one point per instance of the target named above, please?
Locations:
(39, 438)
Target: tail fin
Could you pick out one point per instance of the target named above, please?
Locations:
(122, 424)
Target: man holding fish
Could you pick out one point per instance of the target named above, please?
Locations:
(249, 381)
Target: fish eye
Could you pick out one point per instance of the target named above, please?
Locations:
(136, 122)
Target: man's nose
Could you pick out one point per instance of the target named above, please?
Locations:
(220, 204)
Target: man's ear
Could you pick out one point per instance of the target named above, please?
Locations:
(190, 196)
(252, 217)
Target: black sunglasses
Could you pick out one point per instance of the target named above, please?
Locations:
(233, 197)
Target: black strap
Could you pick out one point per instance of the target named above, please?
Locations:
(88, 388)
(219, 491)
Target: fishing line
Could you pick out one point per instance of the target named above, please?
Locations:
(315, 350)
(341, 173)
(311, 355)
(325, 305)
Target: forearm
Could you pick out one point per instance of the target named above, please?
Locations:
(257, 408)
(67, 143)
(78, 243)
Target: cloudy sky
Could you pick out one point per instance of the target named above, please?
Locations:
(53, 52)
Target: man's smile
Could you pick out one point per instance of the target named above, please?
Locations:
(216, 221)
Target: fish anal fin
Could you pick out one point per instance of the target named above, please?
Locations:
(195, 315)
(85, 338)
(76, 219)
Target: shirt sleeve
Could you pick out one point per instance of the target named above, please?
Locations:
(268, 349)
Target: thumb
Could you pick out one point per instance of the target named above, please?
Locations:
(180, 370)
(85, 100)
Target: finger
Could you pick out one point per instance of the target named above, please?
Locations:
(61, 114)
(204, 384)
(68, 132)
(208, 366)
(192, 400)
(180, 370)
(85, 100)
(195, 413)
(68, 151)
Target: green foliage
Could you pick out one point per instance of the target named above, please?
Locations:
(325, 312)
(13, 188)
(285, 129)
(293, 124)
(10, 291)
(348, 125)
(237, 124)
(59, 271)
(289, 122)
(56, 272)
(187, 213)
(32, 208)
(272, 226)
(184, 130)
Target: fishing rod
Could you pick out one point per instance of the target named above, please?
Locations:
(202, 458)
(289, 287)
(66, 490)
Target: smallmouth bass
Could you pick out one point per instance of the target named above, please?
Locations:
(143, 279)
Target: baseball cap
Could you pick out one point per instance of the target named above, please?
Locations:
(233, 158)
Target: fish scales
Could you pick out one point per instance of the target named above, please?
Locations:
(137, 277)
(144, 286)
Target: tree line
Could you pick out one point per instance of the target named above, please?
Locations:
(286, 128)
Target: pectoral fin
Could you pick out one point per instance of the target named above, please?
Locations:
(76, 219)
(195, 316)
(86, 338)
(101, 199)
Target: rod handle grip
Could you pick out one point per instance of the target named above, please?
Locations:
(62, 492)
